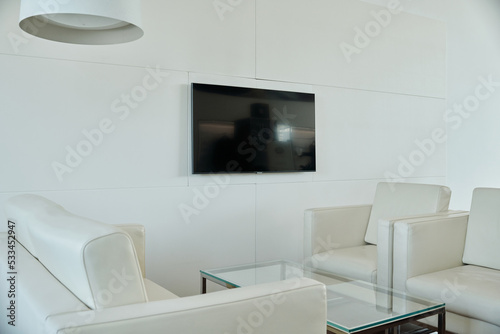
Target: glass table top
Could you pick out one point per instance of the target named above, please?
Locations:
(352, 305)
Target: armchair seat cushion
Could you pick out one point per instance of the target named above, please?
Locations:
(471, 291)
(354, 262)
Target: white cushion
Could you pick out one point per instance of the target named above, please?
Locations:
(468, 290)
(97, 262)
(393, 200)
(157, 292)
(482, 243)
(354, 262)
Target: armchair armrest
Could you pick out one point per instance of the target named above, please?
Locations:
(427, 245)
(334, 227)
(294, 306)
(385, 245)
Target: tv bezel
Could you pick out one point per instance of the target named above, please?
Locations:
(249, 172)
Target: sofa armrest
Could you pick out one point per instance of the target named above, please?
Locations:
(427, 245)
(334, 227)
(385, 245)
(138, 235)
(294, 306)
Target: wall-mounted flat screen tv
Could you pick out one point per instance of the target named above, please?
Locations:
(251, 130)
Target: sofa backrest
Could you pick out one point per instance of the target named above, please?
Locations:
(393, 200)
(482, 241)
(97, 262)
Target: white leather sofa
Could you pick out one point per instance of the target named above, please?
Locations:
(356, 241)
(455, 259)
(75, 275)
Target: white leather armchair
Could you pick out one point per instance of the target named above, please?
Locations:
(70, 274)
(347, 240)
(455, 259)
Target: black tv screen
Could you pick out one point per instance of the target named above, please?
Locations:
(251, 130)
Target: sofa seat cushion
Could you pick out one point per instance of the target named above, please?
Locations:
(354, 262)
(468, 290)
(157, 292)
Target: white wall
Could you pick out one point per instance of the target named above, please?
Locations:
(473, 50)
(474, 141)
(378, 110)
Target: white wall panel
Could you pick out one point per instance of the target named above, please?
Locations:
(178, 34)
(365, 135)
(474, 139)
(102, 125)
(474, 146)
(436, 9)
(222, 233)
(394, 52)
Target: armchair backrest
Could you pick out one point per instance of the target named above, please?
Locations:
(97, 262)
(393, 200)
(482, 241)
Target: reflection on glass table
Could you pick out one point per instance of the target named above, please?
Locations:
(352, 306)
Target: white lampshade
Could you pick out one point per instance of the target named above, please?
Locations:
(93, 22)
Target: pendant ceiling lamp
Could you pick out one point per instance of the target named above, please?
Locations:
(92, 22)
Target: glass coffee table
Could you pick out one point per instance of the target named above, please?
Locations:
(352, 306)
